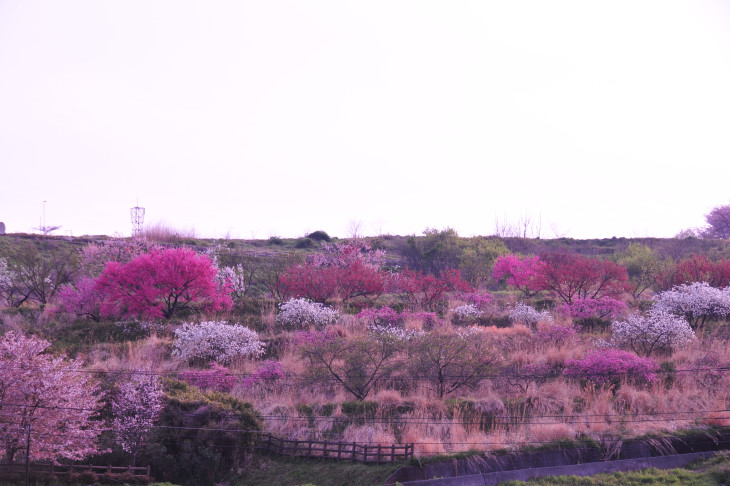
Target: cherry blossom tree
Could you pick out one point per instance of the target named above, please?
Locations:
(161, 284)
(136, 407)
(49, 394)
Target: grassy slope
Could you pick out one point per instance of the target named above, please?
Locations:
(712, 472)
(276, 471)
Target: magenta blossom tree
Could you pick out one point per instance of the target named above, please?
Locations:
(160, 284)
(217, 378)
(83, 300)
(521, 273)
(610, 366)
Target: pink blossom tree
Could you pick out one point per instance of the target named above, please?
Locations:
(160, 284)
(49, 394)
(522, 273)
(136, 408)
(83, 300)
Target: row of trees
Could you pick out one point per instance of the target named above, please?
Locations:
(120, 278)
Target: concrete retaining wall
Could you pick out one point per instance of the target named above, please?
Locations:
(494, 478)
(630, 449)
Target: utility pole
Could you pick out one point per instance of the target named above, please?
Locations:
(27, 452)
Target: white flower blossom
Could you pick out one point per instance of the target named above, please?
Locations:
(697, 302)
(467, 312)
(235, 277)
(656, 331)
(397, 332)
(298, 313)
(216, 341)
(136, 408)
(528, 315)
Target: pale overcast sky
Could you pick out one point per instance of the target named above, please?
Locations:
(273, 117)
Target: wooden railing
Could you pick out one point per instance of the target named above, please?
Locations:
(68, 469)
(335, 450)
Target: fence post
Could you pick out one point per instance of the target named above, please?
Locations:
(148, 471)
(392, 453)
(339, 449)
(377, 459)
(365, 454)
(309, 449)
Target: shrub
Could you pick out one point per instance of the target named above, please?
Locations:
(467, 312)
(555, 334)
(203, 436)
(477, 299)
(523, 313)
(268, 372)
(383, 316)
(299, 313)
(319, 235)
(698, 302)
(304, 243)
(656, 331)
(217, 378)
(608, 366)
(217, 341)
(606, 307)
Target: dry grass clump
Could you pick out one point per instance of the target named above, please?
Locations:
(375, 434)
(540, 433)
(161, 232)
(149, 354)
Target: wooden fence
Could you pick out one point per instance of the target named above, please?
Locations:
(68, 469)
(335, 450)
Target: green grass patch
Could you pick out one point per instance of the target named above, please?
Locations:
(710, 472)
(276, 471)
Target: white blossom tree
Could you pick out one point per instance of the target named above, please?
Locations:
(136, 407)
(528, 315)
(216, 341)
(697, 302)
(49, 394)
(298, 313)
(656, 331)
